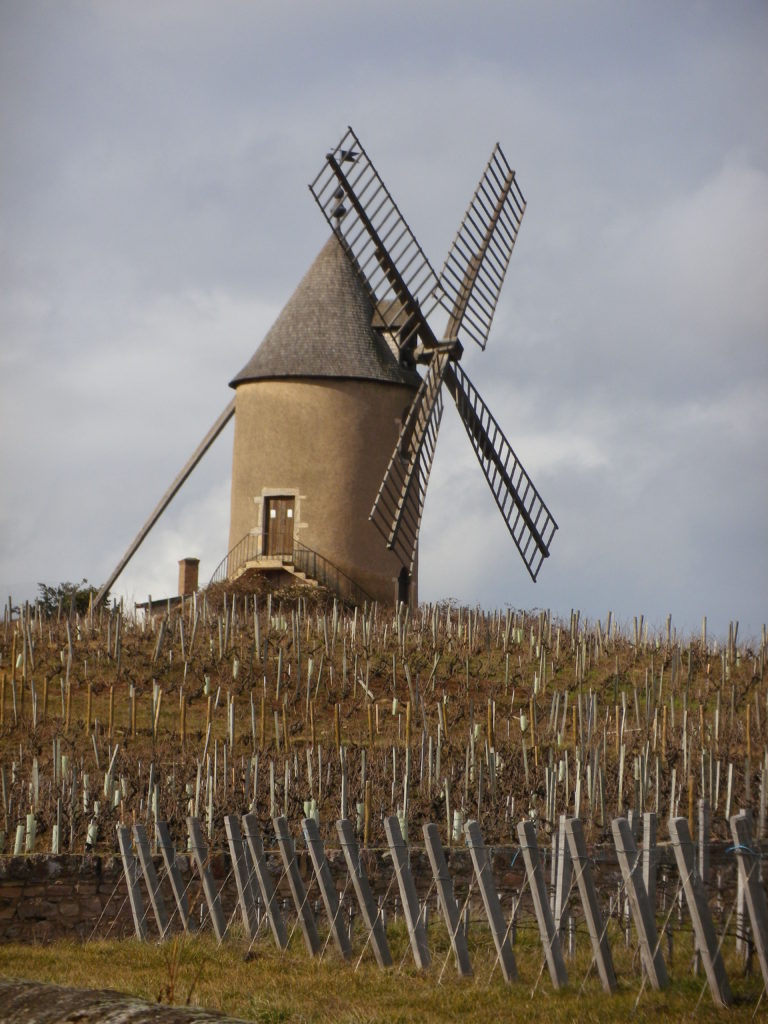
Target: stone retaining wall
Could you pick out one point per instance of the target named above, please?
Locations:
(45, 897)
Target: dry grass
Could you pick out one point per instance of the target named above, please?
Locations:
(269, 986)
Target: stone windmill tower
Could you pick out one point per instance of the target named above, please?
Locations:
(318, 409)
(335, 430)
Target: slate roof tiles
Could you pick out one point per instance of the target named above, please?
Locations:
(325, 330)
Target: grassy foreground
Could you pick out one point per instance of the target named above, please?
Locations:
(271, 987)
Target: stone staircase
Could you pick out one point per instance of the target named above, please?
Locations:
(269, 566)
(303, 564)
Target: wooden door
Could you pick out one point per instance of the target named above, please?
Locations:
(278, 519)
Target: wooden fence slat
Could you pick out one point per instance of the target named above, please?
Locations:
(416, 931)
(200, 856)
(493, 911)
(242, 875)
(704, 929)
(296, 885)
(172, 868)
(131, 880)
(550, 938)
(369, 911)
(327, 889)
(601, 949)
(151, 879)
(253, 839)
(629, 862)
(444, 886)
(748, 861)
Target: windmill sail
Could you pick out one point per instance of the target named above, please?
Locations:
(392, 266)
(404, 291)
(398, 507)
(528, 519)
(475, 267)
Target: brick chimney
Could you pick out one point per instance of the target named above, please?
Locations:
(188, 575)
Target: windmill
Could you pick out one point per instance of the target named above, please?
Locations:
(403, 286)
(333, 389)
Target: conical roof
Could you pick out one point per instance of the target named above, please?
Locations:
(325, 330)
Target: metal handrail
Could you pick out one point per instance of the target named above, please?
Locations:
(303, 558)
(246, 550)
(318, 567)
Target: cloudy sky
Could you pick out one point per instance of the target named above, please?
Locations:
(154, 218)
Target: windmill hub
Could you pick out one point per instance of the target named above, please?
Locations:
(425, 353)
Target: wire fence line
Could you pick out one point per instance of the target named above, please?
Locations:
(629, 902)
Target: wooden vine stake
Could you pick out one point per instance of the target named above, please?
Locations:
(493, 911)
(444, 886)
(704, 929)
(550, 938)
(199, 852)
(371, 915)
(131, 881)
(151, 879)
(296, 885)
(240, 869)
(327, 889)
(601, 950)
(416, 931)
(367, 814)
(748, 860)
(256, 849)
(337, 727)
(173, 872)
(631, 872)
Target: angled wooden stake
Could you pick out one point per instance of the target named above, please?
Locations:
(629, 862)
(256, 848)
(493, 911)
(369, 911)
(172, 869)
(444, 886)
(327, 889)
(200, 856)
(704, 929)
(601, 950)
(131, 880)
(416, 931)
(242, 876)
(550, 938)
(150, 877)
(748, 861)
(296, 885)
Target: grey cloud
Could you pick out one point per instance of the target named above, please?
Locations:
(154, 217)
